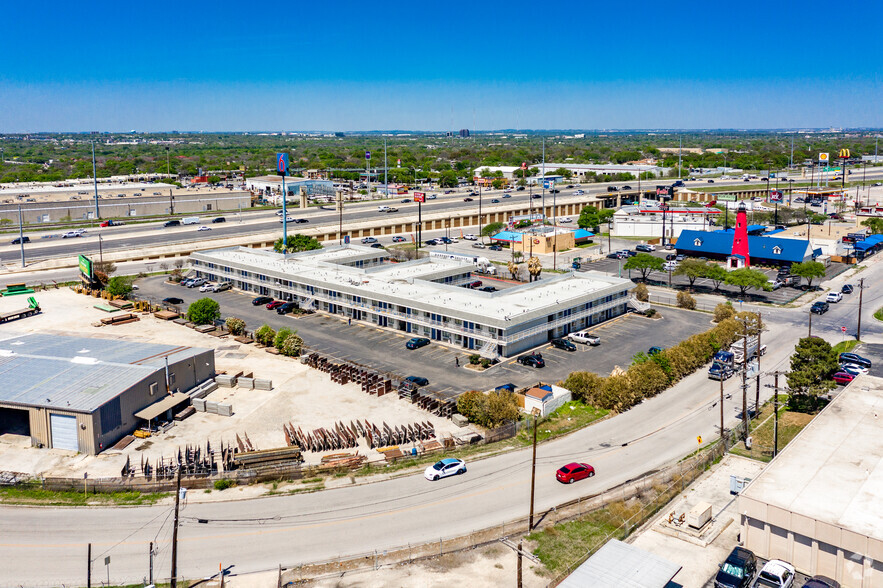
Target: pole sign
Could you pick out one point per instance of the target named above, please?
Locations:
(85, 266)
(282, 164)
(844, 154)
(725, 197)
(399, 162)
(547, 184)
(523, 165)
(419, 196)
(823, 158)
(842, 329)
(367, 155)
(775, 196)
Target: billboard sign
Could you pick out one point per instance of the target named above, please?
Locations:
(775, 196)
(725, 197)
(282, 164)
(823, 158)
(419, 196)
(85, 266)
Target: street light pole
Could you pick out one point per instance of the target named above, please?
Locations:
(95, 180)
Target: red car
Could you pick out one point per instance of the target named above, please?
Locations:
(843, 377)
(573, 472)
(275, 304)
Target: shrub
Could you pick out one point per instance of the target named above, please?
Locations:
(501, 406)
(686, 301)
(265, 335)
(474, 359)
(236, 326)
(641, 292)
(584, 386)
(650, 312)
(292, 345)
(119, 286)
(224, 484)
(204, 311)
(485, 362)
(723, 311)
(281, 335)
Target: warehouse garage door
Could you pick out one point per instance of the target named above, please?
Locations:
(64, 432)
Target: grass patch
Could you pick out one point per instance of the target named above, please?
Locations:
(569, 417)
(879, 314)
(33, 493)
(762, 431)
(847, 346)
(312, 480)
(560, 545)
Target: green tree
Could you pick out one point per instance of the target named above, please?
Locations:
(448, 179)
(723, 311)
(265, 335)
(644, 263)
(204, 311)
(281, 335)
(297, 243)
(812, 365)
(873, 223)
(564, 172)
(592, 218)
(491, 229)
(809, 270)
(501, 406)
(717, 274)
(692, 269)
(120, 285)
(583, 386)
(497, 184)
(214, 179)
(744, 278)
(686, 301)
(471, 404)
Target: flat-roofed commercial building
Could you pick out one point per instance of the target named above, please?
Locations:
(423, 297)
(84, 394)
(819, 504)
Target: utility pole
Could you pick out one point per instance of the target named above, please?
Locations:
(95, 180)
(533, 472)
(89, 566)
(776, 413)
(744, 380)
(519, 563)
(21, 235)
(150, 571)
(861, 287)
(810, 322)
(722, 409)
(174, 576)
(757, 393)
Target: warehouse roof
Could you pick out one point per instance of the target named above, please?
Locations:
(832, 472)
(621, 565)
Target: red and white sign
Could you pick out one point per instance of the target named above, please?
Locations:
(523, 165)
(842, 329)
(419, 196)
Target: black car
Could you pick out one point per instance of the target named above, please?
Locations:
(496, 247)
(630, 253)
(495, 201)
(847, 289)
(261, 300)
(626, 187)
(20, 240)
(286, 308)
(554, 191)
(467, 200)
(376, 245)
(612, 189)
(819, 307)
(644, 248)
(487, 289)
(536, 196)
(406, 199)
(671, 257)
(615, 255)
(563, 344)
(173, 300)
(417, 343)
(854, 359)
(519, 189)
(301, 220)
(821, 582)
(534, 360)
(431, 242)
(172, 223)
(220, 219)
(738, 569)
(417, 380)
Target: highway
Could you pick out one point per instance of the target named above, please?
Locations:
(48, 545)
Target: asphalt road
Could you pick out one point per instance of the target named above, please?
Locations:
(42, 546)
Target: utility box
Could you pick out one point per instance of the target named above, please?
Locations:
(699, 515)
(737, 483)
(459, 420)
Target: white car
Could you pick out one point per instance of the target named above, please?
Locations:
(207, 288)
(80, 231)
(449, 466)
(834, 297)
(671, 266)
(470, 237)
(585, 337)
(565, 219)
(71, 235)
(775, 574)
(431, 197)
(204, 228)
(855, 370)
(289, 219)
(579, 193)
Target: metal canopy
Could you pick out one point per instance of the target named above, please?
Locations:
(158, 408)
(620, 565)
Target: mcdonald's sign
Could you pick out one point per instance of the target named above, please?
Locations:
(844, 154)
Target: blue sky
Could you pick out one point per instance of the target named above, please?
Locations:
(113, 66)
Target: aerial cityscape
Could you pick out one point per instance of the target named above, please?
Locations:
(424, 296)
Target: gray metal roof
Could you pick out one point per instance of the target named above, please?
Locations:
(47, 382)
(620, 565)
(105, 350)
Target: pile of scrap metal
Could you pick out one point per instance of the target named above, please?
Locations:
(343, 436)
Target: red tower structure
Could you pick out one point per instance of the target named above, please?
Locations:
(740, 239)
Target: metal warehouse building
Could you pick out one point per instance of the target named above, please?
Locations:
(84, 394)
(819, 504)
(423, 297)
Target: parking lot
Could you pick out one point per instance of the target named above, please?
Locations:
(383, 350)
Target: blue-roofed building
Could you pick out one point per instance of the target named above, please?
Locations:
(84, 394)
(761, 250)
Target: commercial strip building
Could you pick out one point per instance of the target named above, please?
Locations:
(579, 171)
(422, 297)
(84, 394)
(818, 504)
(648, 220)
(271, 187)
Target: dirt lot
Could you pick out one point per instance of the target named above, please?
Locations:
(305, 397)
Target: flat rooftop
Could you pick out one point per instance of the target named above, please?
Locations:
(397, 281)
(833, 470)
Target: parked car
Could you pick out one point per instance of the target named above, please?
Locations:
(398, 239)
(286, 307)
(737, 570)
(220, 287)
(533, 360)
(447, 467)
(586, 338)
(645, 248)
(616, 255)
(843, 377)
(473, 284)
(847, 289)
(629, 252)
(487, 289)
(470, 237)
(185, 282)
(273, 305)
(261, 300)
(670, 257)
(821, 582)
(573, 472)
(855, 370)
(431, 242)
(565, 219)
(774, 284)
(478, 245)
(854, 359)
(207, 287)
(417, 343)
(417, 380)
(20, 240)
(172, 300)
(819, 307)
(564, 344)
(377, 245)
(496, 247)
(775, 574)
(834, 297)
(196, 282)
